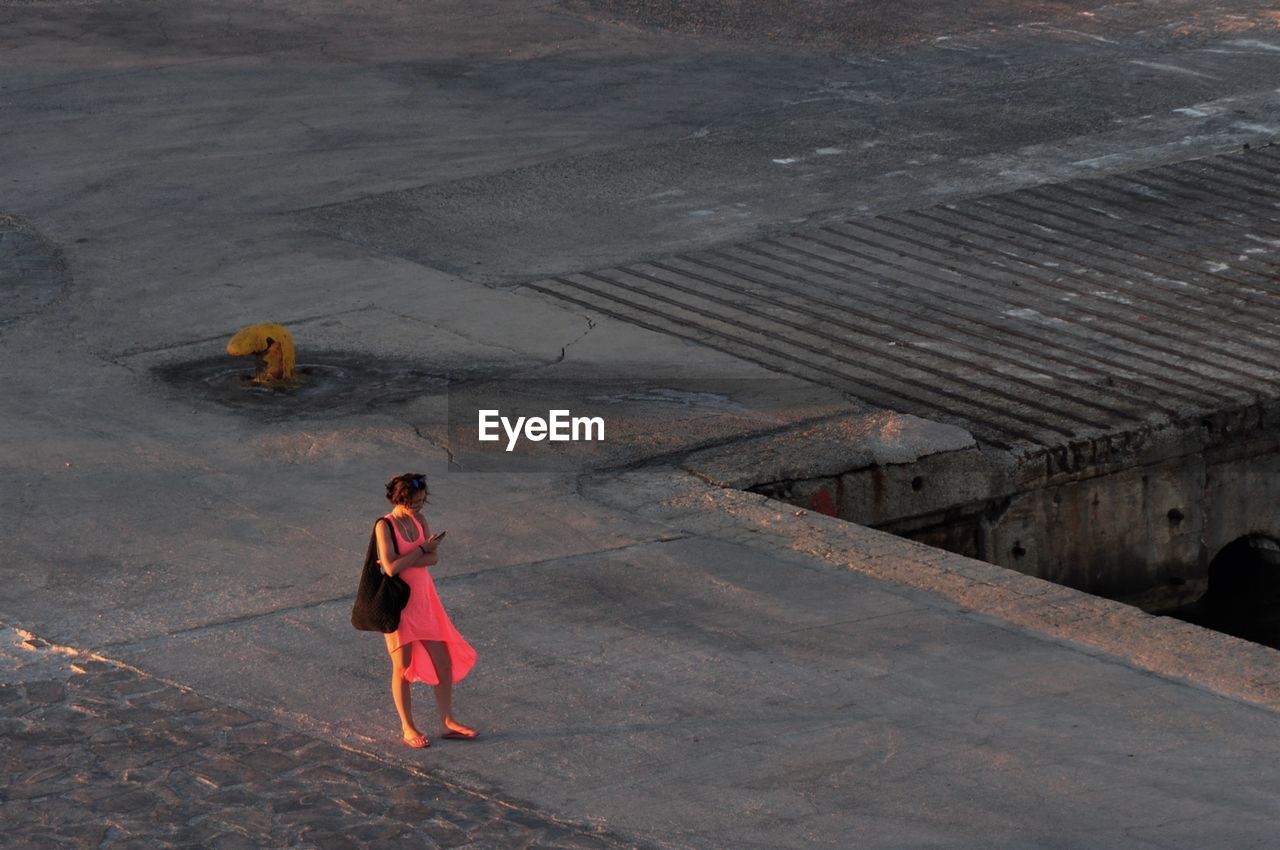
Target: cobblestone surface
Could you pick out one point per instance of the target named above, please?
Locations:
(93, 754)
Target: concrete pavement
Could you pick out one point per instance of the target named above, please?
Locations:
(662, 662)
(98, 754)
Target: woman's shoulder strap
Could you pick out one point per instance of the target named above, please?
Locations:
(391, 532)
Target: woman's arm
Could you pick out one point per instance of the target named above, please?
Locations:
(429, 547)
(422, 555)
(431, 544)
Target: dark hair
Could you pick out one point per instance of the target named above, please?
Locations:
(402, 488)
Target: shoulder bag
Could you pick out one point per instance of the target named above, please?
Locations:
(380, 598)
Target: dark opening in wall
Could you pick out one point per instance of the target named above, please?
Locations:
(1243, 598)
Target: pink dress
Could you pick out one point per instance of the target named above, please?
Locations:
(424, 619)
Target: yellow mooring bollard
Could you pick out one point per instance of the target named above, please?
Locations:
(272, 345)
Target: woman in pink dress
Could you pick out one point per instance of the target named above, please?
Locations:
(426, 647)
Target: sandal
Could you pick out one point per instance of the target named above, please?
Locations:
(417, 742)
(459, 735)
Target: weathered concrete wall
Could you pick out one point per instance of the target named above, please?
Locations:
(1136, 517)
(1134, 534)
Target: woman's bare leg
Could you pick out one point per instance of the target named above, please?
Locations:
(400, 693)
(444, 691)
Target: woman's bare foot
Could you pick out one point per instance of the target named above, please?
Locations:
(457, 732)
(414, 738)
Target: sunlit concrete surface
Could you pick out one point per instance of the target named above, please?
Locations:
(673, 663)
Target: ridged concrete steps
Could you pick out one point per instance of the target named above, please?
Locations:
(1038, 317)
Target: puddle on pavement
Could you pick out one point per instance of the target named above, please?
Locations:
(334, 383)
